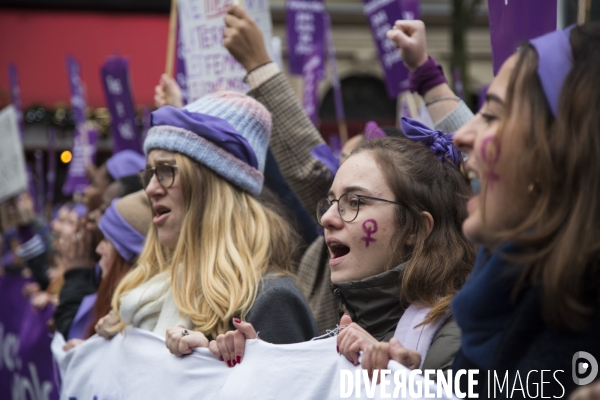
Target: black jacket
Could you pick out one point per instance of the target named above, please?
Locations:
(79, 282)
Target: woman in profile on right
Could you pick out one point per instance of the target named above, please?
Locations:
(533, 299)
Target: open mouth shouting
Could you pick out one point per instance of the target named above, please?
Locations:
(337, 250)
(161, 212)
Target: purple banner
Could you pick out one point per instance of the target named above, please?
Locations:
(32, 188)
(77, 93)
(51, 171)
(335, 79)
(15, 94)
(117, 91)
(84, 154)
(458, 83)
(411, 9)
(305, 33)
(382, 15)
(310, 99)
(26, 364)
(180, 75)
(513, 22)
(39, 181)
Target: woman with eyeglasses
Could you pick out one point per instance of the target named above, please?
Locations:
(392, 224)
(215, 255)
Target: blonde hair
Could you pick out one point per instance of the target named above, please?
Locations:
(228, 241)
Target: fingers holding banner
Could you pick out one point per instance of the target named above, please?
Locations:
(243, 39)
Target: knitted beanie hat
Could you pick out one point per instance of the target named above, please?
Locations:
(226, 131)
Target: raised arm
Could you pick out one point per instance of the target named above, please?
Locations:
(293, 136)
(447, 111)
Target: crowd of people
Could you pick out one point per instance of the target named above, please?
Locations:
(231, 228)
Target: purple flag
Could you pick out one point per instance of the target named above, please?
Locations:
(310, 100)
(305, 32)
(117, 91)
(77, 94)
(39, 180)
(513, 22)
(26, 363)
(51, 172)
(411, 9)
(32, 189)
(381, 15)
(180, 75)
(337, 88)
(458, 84)
(84, 154)
(15, 93)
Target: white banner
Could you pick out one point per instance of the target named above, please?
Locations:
(208, 65)
(13, 177)
(137, 365)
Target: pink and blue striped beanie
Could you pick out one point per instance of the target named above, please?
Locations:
(226, 131)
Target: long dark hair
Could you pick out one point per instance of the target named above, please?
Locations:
(438, 264)
(559, 160)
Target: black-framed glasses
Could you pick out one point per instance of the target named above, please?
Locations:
(348, 206)
(165, 174)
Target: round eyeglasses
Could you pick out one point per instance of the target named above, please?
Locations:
(348, 206)
(165, 174)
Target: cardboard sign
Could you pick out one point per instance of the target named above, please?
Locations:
(208, 65)
(13, 176)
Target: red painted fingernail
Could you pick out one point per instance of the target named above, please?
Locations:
(338, 349)
(233, 363)
(229, 363)
(221, 358)
(239, 359)
(237, 320)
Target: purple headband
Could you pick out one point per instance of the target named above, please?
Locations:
(214, 129)
(125, 163)
(127, 241)
(439, 143)
(555, 61)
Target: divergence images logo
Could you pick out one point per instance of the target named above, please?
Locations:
(581, 368)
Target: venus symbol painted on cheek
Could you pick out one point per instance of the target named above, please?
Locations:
(490, 153)
(369, 227)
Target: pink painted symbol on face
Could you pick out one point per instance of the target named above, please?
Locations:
(369, 227)
(490, 153)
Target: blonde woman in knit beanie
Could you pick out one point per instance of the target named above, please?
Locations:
(215, 255)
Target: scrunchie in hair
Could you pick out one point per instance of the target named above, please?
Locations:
(437, 141)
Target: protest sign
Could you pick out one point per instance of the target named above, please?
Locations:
(411, 9)
(513, 22)
(51, 171)
(305, 32)
(26, 365)
(119, 98)
(13, 177)
(208, 65)
(180, 75)
(15, 94)
(382, 14)
(77, 93)
(310, 98)
(136, 365)
(335, 80)
(84, 154)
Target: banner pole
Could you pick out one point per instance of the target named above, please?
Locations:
(583, 10)
(171, 39)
